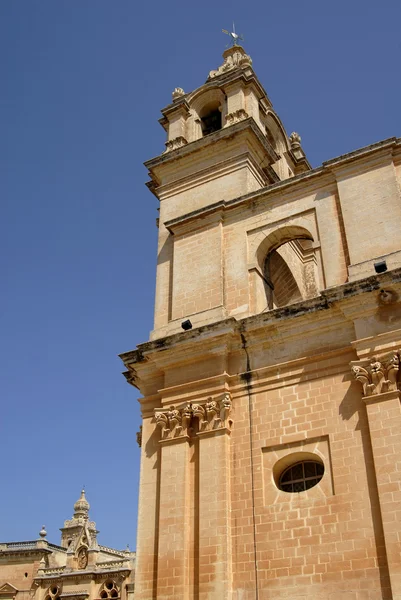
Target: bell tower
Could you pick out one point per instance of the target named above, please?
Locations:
(224, 141)
(261, 455)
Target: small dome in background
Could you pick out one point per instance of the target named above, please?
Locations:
(81, 506)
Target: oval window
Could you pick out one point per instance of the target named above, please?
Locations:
(301, 476)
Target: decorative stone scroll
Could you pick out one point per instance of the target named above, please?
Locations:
(178, 422)
(235, 117)
(234, 57)
(378, 376)
(177, 142)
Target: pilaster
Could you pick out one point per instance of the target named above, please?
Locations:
(215, 568)
(194, 517)
(147, 540)
(174, 521)
(380, 380)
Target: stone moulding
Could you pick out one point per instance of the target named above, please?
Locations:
(118, 573)
(177, 142)
(234, 58)
(176, 423)
(52, 570)
(378, 375)
(235, 117)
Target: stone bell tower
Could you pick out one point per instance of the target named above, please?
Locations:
(257, 473)
(79, 536)
(224, 141)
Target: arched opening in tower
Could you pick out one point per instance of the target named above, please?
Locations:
(290, 273)
(210, 118)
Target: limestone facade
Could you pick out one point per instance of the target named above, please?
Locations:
(271, 436)
(78, 569)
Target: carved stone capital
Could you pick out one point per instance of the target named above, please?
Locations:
(378, 376)
(235, 117)
(216, 412)
(177, 142)
(177, 423)
(173, 422)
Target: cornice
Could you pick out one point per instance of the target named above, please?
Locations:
(87, 574)
(212, 138)
(185, 339)
(36, 547)
(361, 152)
(220, 167)
(269, 377)
(180, 343)
(327, 170)
(174, 225)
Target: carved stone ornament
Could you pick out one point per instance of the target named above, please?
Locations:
(295, 140)
(177, 142)
(235, 117)
(234, 58)
(378, 376)
(82, 558)
(80, 521)
(139, 437)
(178, 93)
(211, 415)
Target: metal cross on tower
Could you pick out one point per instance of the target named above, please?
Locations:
(234, 36)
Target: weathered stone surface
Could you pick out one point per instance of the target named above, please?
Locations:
(293, 359)
(78, 569)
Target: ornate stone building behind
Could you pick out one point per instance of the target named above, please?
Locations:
(270, 386)
(78, 569)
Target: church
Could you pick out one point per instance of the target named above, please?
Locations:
(270, 385)
(78, 569)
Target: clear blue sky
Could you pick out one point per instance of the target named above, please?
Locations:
(82, 85)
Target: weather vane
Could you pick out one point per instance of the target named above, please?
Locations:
(234, 36)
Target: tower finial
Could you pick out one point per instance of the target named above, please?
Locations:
(43, 532)
(234, 36)
(81, 506)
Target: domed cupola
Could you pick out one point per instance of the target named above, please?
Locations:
(81, 506)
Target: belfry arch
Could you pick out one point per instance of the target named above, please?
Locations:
(205, 106)
(287, 268)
